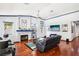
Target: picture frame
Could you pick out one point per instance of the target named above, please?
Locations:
(64, 27)
(55, 27)
(22, 23)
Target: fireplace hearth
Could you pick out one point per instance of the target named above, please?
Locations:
(24, 37)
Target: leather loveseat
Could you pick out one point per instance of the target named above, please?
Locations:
(44, 44)
(5, 47)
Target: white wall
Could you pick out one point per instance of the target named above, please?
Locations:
(62, 20)
(14, 20)
(15, 37)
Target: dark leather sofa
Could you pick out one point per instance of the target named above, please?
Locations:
(6, 48)
(47, 43)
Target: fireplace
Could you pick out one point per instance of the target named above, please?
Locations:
(24, 37)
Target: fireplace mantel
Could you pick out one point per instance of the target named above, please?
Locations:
(24, 30)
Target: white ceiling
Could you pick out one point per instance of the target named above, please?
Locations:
(47, 10)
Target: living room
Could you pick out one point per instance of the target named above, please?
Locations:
(39, 29)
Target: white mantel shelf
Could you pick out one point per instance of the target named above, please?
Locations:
(24, 30)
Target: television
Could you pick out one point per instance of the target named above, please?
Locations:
(55, 27)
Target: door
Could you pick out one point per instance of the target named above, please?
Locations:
(75, 29)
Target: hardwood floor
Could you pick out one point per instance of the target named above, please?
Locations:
(71, 49)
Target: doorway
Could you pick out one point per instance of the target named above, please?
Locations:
(75, 29)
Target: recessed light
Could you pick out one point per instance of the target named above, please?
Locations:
(26, 3)
(51, 10)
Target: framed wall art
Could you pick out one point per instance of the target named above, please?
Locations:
(64, 28)
(22, 23)
(54, 27)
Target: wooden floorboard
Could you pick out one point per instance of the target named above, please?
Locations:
(71, 49)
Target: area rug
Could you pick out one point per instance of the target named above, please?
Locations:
(31, 45)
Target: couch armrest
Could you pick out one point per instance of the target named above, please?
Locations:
(40, 45)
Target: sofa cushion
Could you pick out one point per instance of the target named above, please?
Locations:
(52, 35)
(3, 44)
(41, 41)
